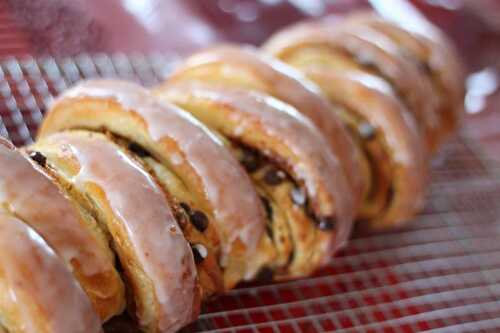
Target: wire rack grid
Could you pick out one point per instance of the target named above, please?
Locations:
(441, 273)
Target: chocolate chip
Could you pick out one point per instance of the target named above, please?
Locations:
(265, 274)
(366, 131)
(274, 176)
(186, 207)
(267, 207)
(298, 196)
(200, 252)
(269, 230)
(199, 220)
(38, 158)
(326, 223)
(138, 150)
(251, 161)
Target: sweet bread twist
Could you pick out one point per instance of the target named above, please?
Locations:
(239, 165)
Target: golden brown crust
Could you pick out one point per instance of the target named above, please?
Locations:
(184, 217)
(372, 52)
(38, 293)
(157, 260)
(238, 66)
(370, 98)
(435, 56)
(27, 192)
(194, 227)
(280, 133)
(183, 145)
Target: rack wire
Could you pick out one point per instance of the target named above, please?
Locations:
(440, 273)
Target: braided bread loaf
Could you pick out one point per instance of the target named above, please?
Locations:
(239, 165)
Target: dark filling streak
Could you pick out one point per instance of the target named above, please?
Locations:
(269, 214)
(123, 323)
(39, 158)
(274, 177)
(372, 67)
(265, 274)
(138, 150)
(267, 207)
(186, 207)
(373, 168)
(390, 196)
(356, 132)
(182, 211)
(374, 187)
(252, 159)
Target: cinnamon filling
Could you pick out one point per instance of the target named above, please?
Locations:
(274, 175)
(197, 218)
(340, 59)
(193, 222)
(378, 198)
(138, 150)
(39, 158)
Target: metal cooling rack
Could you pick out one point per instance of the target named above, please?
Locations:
(439, 274)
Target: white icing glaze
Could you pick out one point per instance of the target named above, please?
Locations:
(365, 42)
(140, 205)
(6, 143)
(228, 189)
(29, 194)
(403, 73)
(313, 164)
(369, 98)
(399, 128)
(434, 49)
(371, 81)
(406, 15)
(291, 86)
(38, 285)
(249, 56)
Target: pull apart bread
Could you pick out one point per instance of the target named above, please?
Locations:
(434, 55)
(393, 91)
(244, 163)
(300, 182)
(297, 195)
(28, 193)
(247, 68)
(348, 47)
